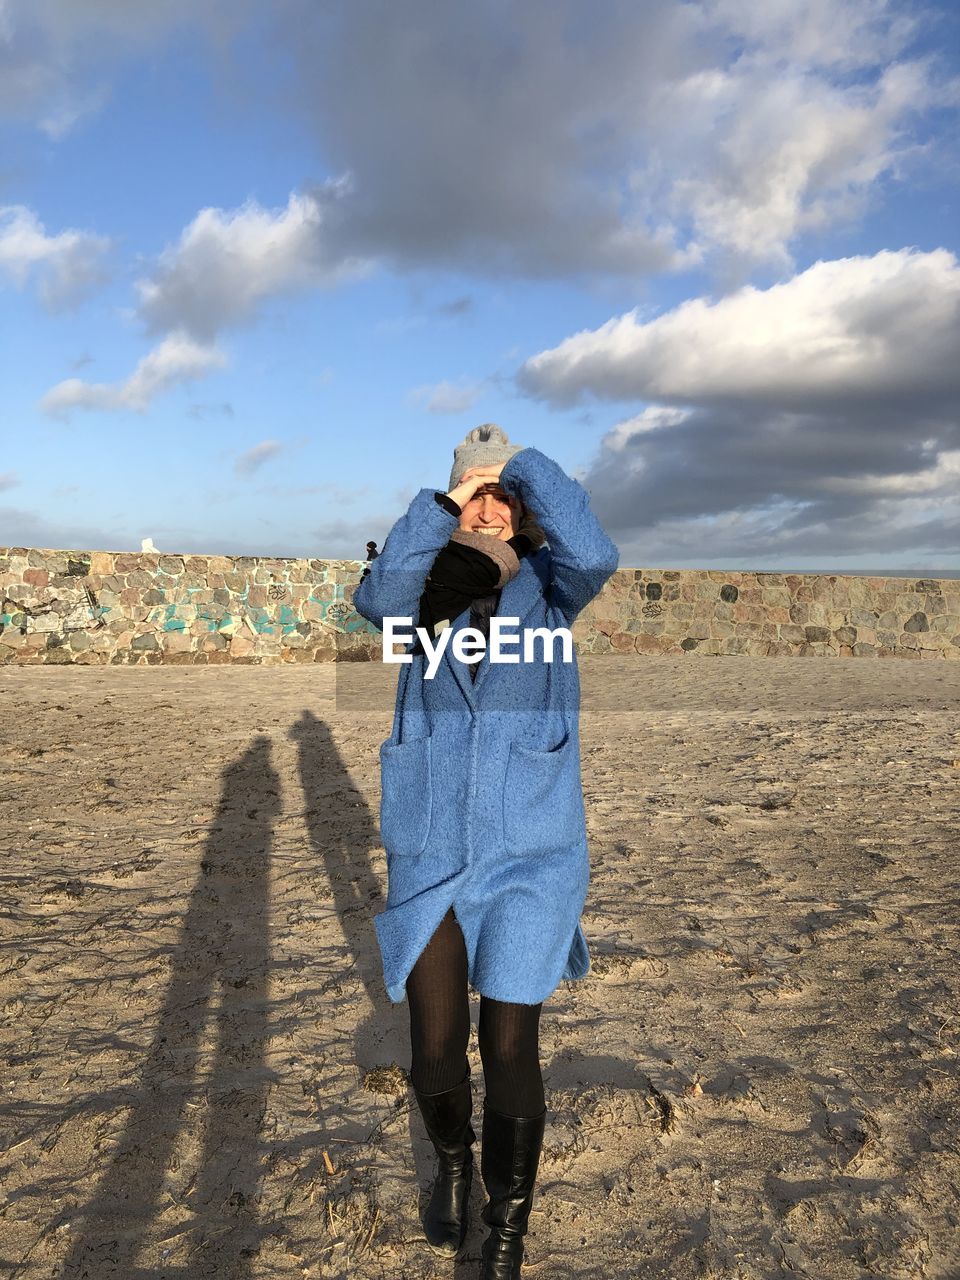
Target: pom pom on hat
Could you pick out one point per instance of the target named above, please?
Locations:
(482, 447)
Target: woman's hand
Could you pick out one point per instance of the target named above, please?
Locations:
(475, 478)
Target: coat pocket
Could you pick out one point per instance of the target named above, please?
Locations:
(406, 796)
(542, 798)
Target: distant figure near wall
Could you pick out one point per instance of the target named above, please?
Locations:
(372, 554)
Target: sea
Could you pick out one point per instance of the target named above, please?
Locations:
(847, 573)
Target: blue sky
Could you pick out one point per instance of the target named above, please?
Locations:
(262, 268)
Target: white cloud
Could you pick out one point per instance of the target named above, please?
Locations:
(228, 261)
(225, 264)
(175, 360)
(530, 141)
(253, 459)
(449, 397)
(840, 34)
(652, 138)
(942, 478)
(65, 112)
(8, 480)
(920, 533)
(340, 539)
(815, 420)
(794, 153)
(67, 266)
(54, 53)
(202, 410)
(22, 528)
(862, 326)
(758, 484)
(655, 417)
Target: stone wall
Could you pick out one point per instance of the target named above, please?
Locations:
(108, 607)
(772, 614)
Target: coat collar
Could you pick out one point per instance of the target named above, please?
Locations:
(516, 601)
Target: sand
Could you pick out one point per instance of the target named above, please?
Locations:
(203, 1075)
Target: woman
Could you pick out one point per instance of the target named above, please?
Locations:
(482, 815)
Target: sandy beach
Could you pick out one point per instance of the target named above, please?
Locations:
(204, 1077)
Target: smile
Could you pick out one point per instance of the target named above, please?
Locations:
(493, 529)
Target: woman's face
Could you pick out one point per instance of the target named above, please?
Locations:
(492, 512)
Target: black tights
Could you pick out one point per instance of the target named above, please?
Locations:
(509, 1034)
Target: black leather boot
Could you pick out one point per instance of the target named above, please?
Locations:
(509, 1157)
(447, 1120)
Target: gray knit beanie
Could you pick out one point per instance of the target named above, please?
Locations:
(482, 447)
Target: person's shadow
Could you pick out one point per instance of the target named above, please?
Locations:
(219, 976)
(382, 1039)
(354, 885)
(222, 953)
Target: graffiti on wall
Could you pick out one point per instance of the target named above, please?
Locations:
(73, 605)
(79, 608)
(177, 612)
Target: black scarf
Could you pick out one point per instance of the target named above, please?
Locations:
(462, 576)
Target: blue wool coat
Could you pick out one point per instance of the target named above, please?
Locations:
(481, 797)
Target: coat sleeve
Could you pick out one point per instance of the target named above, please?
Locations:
(582, 556)
(395, 583)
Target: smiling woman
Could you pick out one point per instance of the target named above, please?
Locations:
(482, 814)
(490, 511)
(495, 530)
